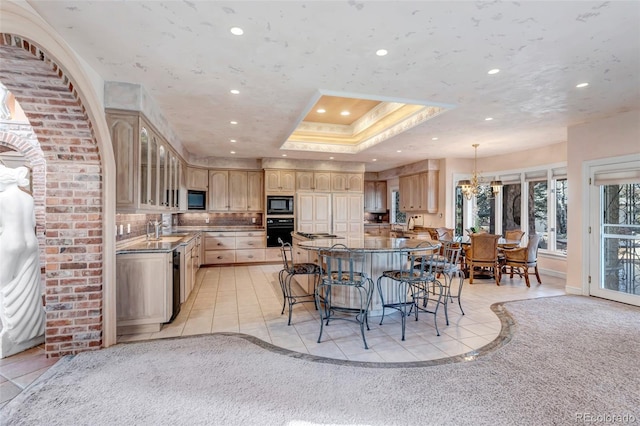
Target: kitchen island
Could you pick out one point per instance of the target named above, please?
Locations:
(380, 254)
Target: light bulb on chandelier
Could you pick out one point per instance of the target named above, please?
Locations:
(474, 186)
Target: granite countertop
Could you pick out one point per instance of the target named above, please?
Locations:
(167, 243)
(375, 223)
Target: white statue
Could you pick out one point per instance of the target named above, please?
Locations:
(22, 317)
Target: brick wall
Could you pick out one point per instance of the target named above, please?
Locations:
(73, 196)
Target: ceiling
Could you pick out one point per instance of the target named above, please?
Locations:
(293, 53)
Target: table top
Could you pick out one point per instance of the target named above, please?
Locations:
(502, 242)
(369, 244)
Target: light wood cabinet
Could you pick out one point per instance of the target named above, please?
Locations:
(280, 181)
(351, 182)
(313, 181)
(235, 247)
(348, 214)
(313, 212)
(219, 190)
(255, 198)
(144, 285)
(375, 196)
(235, 190)
(148, 171)
(377, 230)
(197, 179)
(419, 192)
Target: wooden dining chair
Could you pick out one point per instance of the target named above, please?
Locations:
(513, 234)
(483, 252)
(523, 258)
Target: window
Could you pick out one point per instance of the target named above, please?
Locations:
(537, 209)
(511, 206)
(561, 215)
(543, 211)
(397, 215)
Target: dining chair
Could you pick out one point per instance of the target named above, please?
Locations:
(445, 233)
(523, 258)
(412, 283)
(483, 253)
(289, 270)
(343, 281)
(514, 234)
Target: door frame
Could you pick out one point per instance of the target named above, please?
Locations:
(592, 258)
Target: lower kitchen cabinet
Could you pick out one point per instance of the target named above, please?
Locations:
(234, 247)
(144, 284)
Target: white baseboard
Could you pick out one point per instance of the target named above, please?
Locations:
(553, 273)
(573, 290)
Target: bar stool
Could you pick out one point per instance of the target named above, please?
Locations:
(290, 270)
(343, 280)
(412, 279)
(447, 263)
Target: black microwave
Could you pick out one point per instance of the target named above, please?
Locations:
(279, 204)
(196, 200)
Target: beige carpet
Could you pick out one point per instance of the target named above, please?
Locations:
(569, 357)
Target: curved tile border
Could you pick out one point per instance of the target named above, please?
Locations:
(508, 328)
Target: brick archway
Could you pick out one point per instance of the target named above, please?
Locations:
(74, 195)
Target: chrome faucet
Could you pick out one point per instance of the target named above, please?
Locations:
(148, 223)
(156, 231)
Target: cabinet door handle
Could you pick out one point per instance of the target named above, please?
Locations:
(219, 244)
(219, 257)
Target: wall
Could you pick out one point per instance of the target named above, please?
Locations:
(68, 119)
(609, 137)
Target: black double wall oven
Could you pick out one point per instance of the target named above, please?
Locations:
(280, 223)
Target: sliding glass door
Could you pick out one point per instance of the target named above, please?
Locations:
(615, 212)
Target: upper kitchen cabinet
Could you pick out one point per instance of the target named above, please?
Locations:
(313, 181)
(197, 179)
(235, 190)
(419, 192)
(351, 182)
(375, 196)
(280, 181)
(148, 171)
(219, 190)
(255, 198)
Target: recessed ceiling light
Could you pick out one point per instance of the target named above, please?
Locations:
(284, 155)
(582, 85)
(330, 158)
(488, 119)
(493, 71)
(434, 139)
(237, 31)
(233, 152)
(381, 52)
(375, 159)
(232, 140)
(321, 110)
(345, 113)
(233, 122)
(234, 91)
(399, 150)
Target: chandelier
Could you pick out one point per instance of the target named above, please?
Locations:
(474, 186)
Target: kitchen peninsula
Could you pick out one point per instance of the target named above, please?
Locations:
(380, 254)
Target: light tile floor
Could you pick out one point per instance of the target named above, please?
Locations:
(248, 299)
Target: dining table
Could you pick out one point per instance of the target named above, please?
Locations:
(379, 254)
(465, 241)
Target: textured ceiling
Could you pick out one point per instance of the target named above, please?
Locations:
(292, 52)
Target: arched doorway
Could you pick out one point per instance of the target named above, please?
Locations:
(77, 295)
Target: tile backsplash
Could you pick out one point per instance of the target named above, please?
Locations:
(219, 219)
